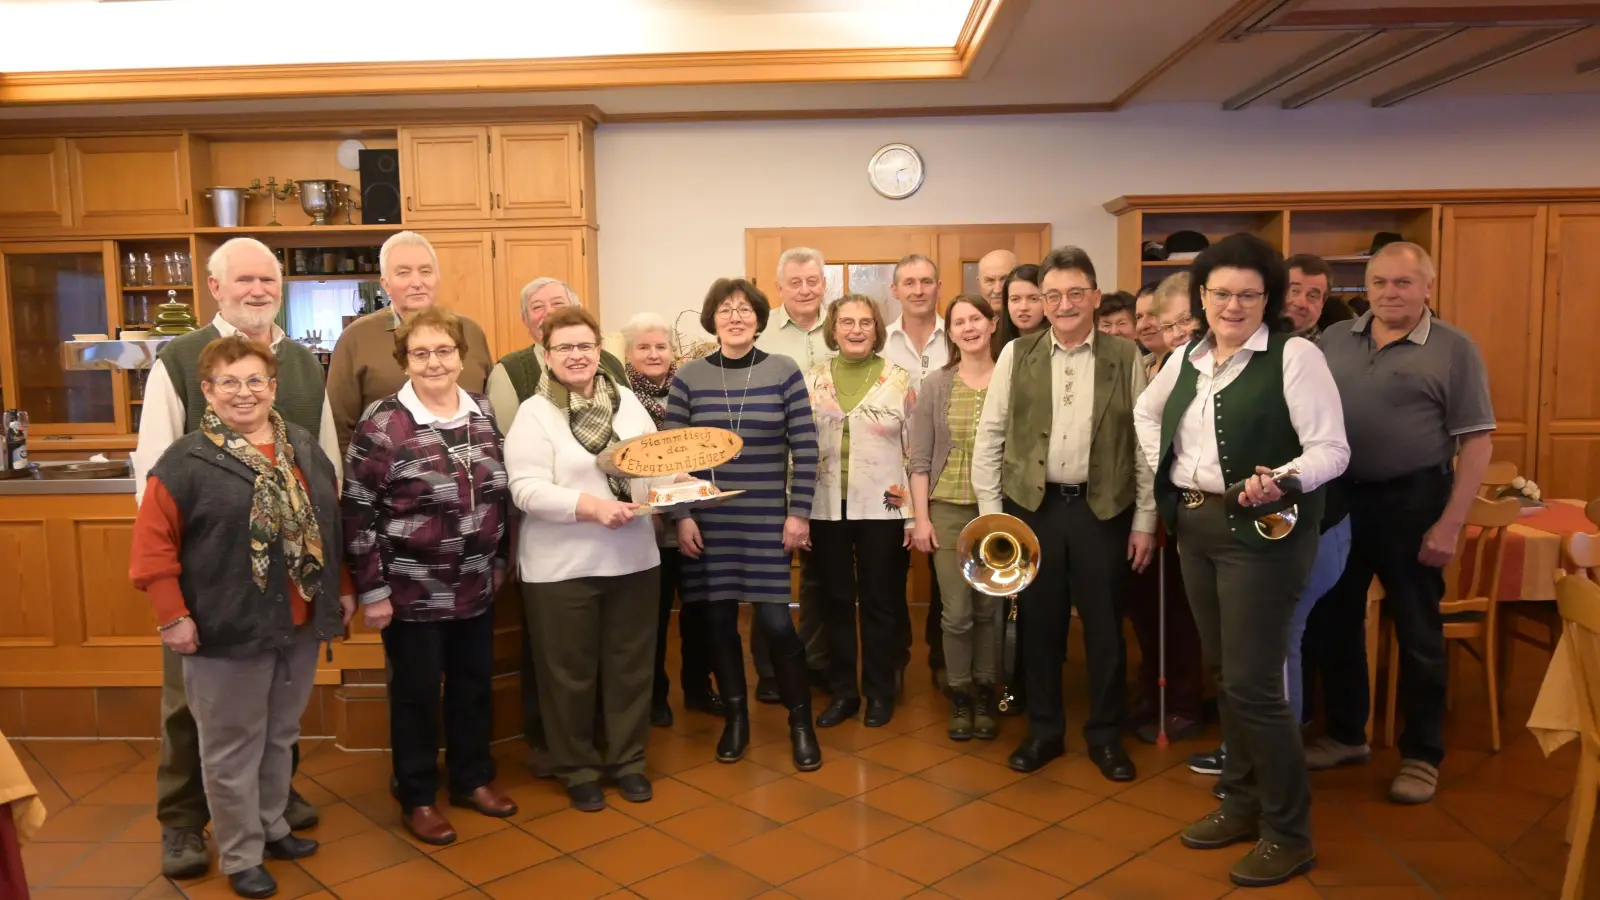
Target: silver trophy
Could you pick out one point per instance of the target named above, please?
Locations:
(320, 198)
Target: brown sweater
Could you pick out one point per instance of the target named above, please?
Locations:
(363, 370)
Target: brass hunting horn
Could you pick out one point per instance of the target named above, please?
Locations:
(1275, 520)
(999, 556)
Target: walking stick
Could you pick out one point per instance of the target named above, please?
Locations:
(1161, 631)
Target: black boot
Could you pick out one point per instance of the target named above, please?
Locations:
(794, 684)
(728, 660)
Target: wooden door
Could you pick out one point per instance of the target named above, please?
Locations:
(466, 278)
(444, 174)
(538, 172)
(1569, 394)
(522, 256)
(33, 184)
(1492, 285)
(129, 183)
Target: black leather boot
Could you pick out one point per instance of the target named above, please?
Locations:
(794, 686)
(728, 661)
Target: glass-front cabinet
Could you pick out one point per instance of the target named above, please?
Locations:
(51, 293)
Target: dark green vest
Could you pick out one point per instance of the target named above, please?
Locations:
(522, 367)
(300, 385)
(1112, 443)
(1253, 429)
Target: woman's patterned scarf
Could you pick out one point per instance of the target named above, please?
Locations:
(591, 419)
(279, 507)
(653, 397)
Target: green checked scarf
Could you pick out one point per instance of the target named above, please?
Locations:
(279, 507)
(591, 419)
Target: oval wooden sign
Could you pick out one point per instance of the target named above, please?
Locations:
(671, 452)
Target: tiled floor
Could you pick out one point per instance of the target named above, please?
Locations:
(894, 812)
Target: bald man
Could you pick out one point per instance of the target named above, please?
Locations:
(992, 272)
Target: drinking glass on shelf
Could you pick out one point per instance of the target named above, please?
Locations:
(169, 268)
(147, 271)
(130, 271)
(185, 268)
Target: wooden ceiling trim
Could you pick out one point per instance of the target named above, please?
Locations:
(1440, 17)
(1525, 43)
(1342, 199)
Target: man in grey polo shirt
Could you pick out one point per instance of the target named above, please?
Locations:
(1416, 398)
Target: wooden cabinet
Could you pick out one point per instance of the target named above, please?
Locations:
(129, 183)
(466, 274)
(1569, 378)
(444, 174)
(521, 256)
(33, 184)
(1491, 285)
(538, 171)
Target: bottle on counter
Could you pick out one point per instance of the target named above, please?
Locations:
(14, 440)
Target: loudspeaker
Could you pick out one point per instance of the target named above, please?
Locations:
(380, 187)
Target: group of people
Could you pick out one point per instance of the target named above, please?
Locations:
(421, 475)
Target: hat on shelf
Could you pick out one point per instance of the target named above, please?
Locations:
(1383, 239)
(1152, 251)
(1186, 242)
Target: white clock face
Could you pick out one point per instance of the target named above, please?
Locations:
(895, 171)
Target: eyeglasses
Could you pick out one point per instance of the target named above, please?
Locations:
(1246, 298)
(421, 355)
(728, 313)
(569, 349)
(1183, 324)
(1076, 295)
(853, 324)
(228, 386)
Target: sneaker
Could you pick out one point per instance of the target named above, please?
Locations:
(1271, 863)
(1218, 830)
(183, 852)
(1416, 783)
(1208, 763)
(300, 814)
(1326, 753)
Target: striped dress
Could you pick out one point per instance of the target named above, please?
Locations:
(744, 557)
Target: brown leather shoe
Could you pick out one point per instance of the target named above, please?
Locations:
(429, 826)
(487, 800)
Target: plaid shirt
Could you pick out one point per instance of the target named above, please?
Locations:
(422, 529)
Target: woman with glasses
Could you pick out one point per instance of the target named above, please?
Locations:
(425, 525)
(589, 565)
(1171, 310)
(245, 615)
(741, 550)
(1241, 400)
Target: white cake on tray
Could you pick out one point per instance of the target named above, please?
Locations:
(682, 492)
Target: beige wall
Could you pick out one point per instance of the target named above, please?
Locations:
(675, 199)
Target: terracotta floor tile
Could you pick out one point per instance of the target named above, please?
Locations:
(78, 785)
(378, 806)
(162, 889)
(1000, 877)
(723, 780)
(850, 776)
(315, 794)
(852, 877)
(1298, 889)
(1209, 864)
(779, 756)
(851, 826)
(915, 800)
(72, 757)
(1527, 890)
(1043, 799)
(44, 861)
(563, 878)
(707, 878)
(711, 828)
(1077, 771)
(786, 800)
(1450, 864)
(780, 855)
(132, 788)
(145, 829)
(907, 754)
(114, 865)
(83, 893)
(985, 825)
(1146, 879)
(971, 776)
(293, 882)
(1171, 799)
(571, 830)
(329, 758)
(358, 855)
(92, 824)
(1359, 863)
(672, 798)
(923, 856)
(848, 737)
(1124, 825)
(673, 755)
(1068, 855)
(350, 781)
(911, 718)
(1393, 822)
(636, 855)
(494, 856)
(338, 821)
(541, 797)
(469, 826)
(1542, 857)
(419, 879)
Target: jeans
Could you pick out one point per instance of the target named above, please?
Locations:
(1333, 550)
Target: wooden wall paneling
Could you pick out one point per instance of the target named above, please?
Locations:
(1491, 285)
(955, 249)
(197, 150)
(27, 613)
(466, 278)
(115, 613)
(236, 162)
(525, 254)
(762, 247)
(119, 377)
(137, 183)
(444, 174)
(33, 183)
(537, 171)
(1569, 396)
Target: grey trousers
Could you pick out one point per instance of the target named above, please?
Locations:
(812, 632)
(594, 636)
(969, 619)
(248, 715)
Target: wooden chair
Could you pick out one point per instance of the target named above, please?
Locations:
(1583, 553)
(1498, 475)
(1469, 614)
(1579, 601)
(1593, 512)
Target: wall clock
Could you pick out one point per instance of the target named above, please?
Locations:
(895, 171)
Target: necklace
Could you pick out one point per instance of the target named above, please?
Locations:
(727, 395)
